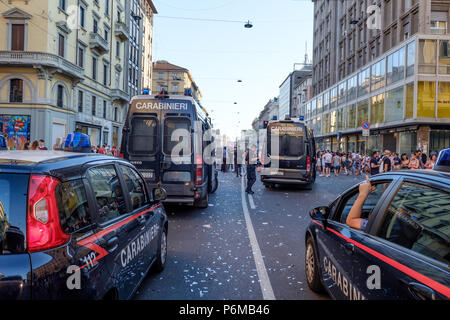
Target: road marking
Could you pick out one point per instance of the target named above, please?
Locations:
(252, 203)
(264, 280)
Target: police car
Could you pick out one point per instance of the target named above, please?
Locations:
(76, 225)
(404, 250)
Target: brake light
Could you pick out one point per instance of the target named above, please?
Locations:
(308, 164)
(199, 174)
(121, 155)
(43, 225)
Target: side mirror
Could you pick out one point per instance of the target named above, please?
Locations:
(159, 194)
(320, 213)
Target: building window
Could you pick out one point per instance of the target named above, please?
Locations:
(16, 90)
(105, 74)
(61, 45)
(106, 34)
(174, 88)
(94, 105)
(427, 56)
(409, 105)
(94, 68)
(363, 112)
(118, 49)
(160, 76)
(410, 58)
(394, 104)
(426, 99)
(396, 66)
(438, 22)
(104, 109)
(18, 37)
(444, 57)
(377, 109)
(95, 25)
(116, 113)
(62, 4)
(443, 107)
(107, 7)
(117, 82)
(80, 59)
(82, 17)
(80, 101)
(60, 96)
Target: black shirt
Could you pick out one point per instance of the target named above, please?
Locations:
(386, 161)
(375, 170)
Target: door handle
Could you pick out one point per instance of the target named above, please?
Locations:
(142, 219)
(349, 248)
(421, 292)
(112, 244)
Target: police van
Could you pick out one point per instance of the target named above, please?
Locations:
(404, 250)
(289, 154)
(76, 225)
(163, 136)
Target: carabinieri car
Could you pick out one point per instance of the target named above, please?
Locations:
(404, 252)
(76, 226)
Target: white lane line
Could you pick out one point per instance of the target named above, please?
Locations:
(252, 203)
(264, 280)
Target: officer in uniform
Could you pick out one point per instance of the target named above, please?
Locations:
(251, 159)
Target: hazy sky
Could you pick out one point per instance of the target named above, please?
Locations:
(220, 53)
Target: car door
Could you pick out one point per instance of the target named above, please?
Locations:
(141, 207)
(337, 243)
(409, 243)
(118, 228)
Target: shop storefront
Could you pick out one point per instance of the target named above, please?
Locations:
(439, 139)
(16, 130)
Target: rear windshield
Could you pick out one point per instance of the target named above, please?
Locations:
(13, 212)
(182, 137)
(291, 139)
(143, 139)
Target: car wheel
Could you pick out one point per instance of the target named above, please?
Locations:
(312, 267)
(268, 185)
(161, 257)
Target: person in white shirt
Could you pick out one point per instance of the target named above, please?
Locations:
(328, 157)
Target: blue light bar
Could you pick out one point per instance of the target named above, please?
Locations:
(146, 92)
(443, 161)
(3, 145)
(301, 118)
(78, 142)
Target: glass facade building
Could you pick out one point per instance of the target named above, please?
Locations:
(404, 94)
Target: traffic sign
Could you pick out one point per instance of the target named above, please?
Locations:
(365, 125)
(366, 132)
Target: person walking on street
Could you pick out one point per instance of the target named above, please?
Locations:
(251, 159)
(374, 165)
(237, 165)
(404, 161)
(336, 164)
(328, 157)
(386, 164)
(414, 163)
(224, 158)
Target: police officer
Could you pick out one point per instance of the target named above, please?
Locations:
(251, 159)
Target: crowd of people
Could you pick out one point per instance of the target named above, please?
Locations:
(36, 145)
(106, 150)
(353, 163)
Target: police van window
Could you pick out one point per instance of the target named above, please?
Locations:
(173, 138)
(418, 218)
(143, 136)
(13, 213)
(370, 203)
(72, 206)
(108, 192)
(291, 139)
(135, 186)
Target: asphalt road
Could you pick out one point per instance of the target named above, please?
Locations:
(213, 255)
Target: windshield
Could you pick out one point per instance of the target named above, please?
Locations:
(290, 137)
(143, 136)
(13, 212)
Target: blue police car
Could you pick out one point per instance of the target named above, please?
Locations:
(76, 225)
(403, 251)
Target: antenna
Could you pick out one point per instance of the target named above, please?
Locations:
(306, 52)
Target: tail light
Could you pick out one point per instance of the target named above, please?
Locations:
(308, 164)
(198, 169)
(263, 160)
(121, 155)
(43, 225)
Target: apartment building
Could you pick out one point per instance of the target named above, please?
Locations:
(385, 62)
(64, 67)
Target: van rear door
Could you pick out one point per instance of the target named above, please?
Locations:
(291, 151)
(15, 263)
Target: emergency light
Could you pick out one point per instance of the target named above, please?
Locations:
(146, 92)
(78, 142)
(301, 118)
(188, 92)
(443, 161)
(3, 145)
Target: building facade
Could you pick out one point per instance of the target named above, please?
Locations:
(286, 96)
(64, 68)
(269, 112)
(174, 80)
(389, 67)
(302, 94)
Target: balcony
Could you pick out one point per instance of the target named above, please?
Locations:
(41, 60)
(97, 43)
(121, 31)
(117, 94)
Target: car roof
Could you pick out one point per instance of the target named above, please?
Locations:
(435, 175)
(31, 157)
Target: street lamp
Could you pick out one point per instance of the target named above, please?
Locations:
(248, 25)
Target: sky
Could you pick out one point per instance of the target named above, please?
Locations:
(219, 53)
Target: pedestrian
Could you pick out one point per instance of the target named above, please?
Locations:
(431, 162)
(322, 160)
(42, 145)
(319, 162)
(396, 161)
(349, 163)
(224, 158)
(251, 159)
(374, 165)
(344, 163)
(414, 163)
(404, 161)
(237, 163)
(26, 146)
(418, 155)
(386, 165)
(336, 164)
(35, 145)
(356, 164)
(328, 158)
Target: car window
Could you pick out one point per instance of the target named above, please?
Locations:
(370, 203)
(171, 125)
(418, 218)
(135, 186)
(108, 192)
(72, 206)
